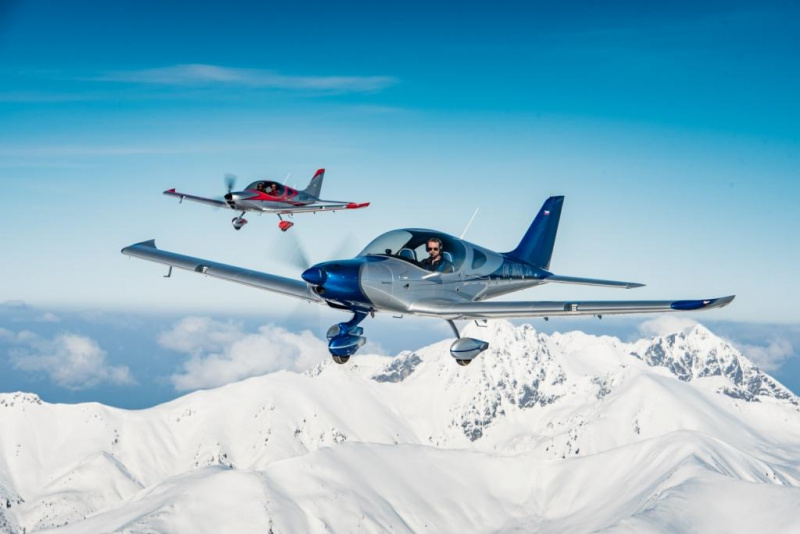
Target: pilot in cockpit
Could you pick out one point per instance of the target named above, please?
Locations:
(272, 190)
(436, 261)
(260, 186)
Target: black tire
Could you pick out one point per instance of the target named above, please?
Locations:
(463, 363)
(340, 359)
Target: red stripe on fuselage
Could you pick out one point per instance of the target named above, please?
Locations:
(285, 198)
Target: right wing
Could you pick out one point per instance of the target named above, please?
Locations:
(314, 208)
(193, 198)
(590, 281)
(147, 250)
(496, 310)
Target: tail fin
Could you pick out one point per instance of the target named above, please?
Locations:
(315, 185)
(536, 246)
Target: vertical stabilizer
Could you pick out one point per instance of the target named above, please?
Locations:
(315, 185)
(536, 246)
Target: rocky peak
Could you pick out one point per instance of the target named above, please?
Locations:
(699, 353)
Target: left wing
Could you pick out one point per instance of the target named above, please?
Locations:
(313, 208)
(496, 310)
(147, 250)
(194, 198)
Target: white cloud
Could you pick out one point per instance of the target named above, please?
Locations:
(667, 324)
(223, 353)
(14, 304)
(71, 361)
(195, 335)
(48, 317)
(768, 357)
(199, 74)
(7, 335)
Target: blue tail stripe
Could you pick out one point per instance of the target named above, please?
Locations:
(537, 244)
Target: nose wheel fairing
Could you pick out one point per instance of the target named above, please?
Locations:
(344, 339)
(239, 222)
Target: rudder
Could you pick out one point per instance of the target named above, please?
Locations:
(537, 244)
(315, 185)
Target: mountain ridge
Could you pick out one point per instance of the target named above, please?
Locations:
(567, 420)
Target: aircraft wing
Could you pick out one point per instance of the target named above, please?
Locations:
(591, 282)
(147, 250)
(496, 310)
(313, 208)
(193, 198)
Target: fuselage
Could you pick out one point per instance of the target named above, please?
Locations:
(387, 276)
(268, 195)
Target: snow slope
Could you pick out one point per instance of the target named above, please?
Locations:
(560, 433)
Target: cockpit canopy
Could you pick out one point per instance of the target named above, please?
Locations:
(271, 188)
(409, 245)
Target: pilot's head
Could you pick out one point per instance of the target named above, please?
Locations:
(260, 186)
(434, 247)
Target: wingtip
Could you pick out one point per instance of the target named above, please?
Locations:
(169, 191)
(724, 301)
(150, 243)
(634, 285)
(708, 304)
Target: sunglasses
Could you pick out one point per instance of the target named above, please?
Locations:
(429, 249)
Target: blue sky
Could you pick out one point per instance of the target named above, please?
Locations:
(670, 129)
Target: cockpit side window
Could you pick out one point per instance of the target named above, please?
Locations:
(478, 258)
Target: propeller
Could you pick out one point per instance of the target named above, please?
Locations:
(230, 182)
(294, 252)
(289, 250)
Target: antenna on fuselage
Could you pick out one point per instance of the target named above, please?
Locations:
(469, 223)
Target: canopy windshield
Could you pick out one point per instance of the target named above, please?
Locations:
(270, 188)
(409, 245)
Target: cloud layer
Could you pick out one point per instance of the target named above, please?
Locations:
(70, 361)
(222, 353)
(769, 357)
(667, 324)
(200, 74)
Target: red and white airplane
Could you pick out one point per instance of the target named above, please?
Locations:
(266, 196)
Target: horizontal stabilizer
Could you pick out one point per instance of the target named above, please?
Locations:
(591, 282)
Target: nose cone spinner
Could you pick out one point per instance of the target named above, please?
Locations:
(315, 276)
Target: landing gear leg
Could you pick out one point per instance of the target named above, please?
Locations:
(454, 327)
(344, 339)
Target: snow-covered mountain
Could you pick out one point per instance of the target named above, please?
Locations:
(560, 433)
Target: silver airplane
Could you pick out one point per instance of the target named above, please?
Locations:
(454, 282)
(265, 196)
